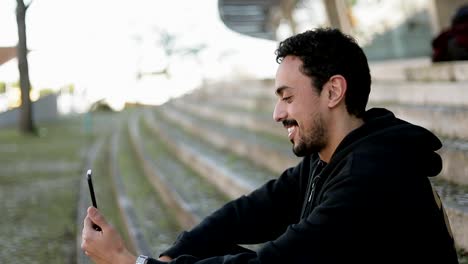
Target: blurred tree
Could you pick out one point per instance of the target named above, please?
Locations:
(26, 124)
(2, 87)
(46, 91)
(17, 84)
(68, 89)
(171, 48)
(352, 2)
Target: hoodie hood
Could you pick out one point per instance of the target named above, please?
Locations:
(407, 145)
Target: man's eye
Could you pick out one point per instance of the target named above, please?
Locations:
(287, 99)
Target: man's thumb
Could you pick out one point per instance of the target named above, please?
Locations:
(96, 217)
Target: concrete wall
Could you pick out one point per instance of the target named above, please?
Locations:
(45, 109)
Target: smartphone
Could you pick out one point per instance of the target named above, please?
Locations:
(93, 197)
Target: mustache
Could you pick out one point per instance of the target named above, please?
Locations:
(289, 122)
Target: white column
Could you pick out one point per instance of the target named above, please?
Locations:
(337, 15)
(442, 12)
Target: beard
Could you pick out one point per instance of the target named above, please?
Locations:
(312, 140)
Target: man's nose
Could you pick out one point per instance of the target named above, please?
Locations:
(279, 113)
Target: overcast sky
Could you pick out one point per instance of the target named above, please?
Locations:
(100, 45)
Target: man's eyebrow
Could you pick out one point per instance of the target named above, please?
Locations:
(279, 91)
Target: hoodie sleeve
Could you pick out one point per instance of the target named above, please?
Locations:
(261, 216)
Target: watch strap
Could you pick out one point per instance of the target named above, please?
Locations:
(142, 259)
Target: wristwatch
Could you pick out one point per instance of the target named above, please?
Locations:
(141, 259)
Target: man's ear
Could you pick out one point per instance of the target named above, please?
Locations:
(336, 90)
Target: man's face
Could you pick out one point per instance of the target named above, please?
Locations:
(300, 108)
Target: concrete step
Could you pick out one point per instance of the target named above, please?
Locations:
(159, 228)
(232, 116)
(127, 208)
(451, 71)
(210, 168)
(455, 199)
(251, 94)
(179, 208)
(263, 149)
(420, 93)
(248, 88)
(258, 97)
(445, 121)
(195, 195)
(395, 70)
(231, 174)
(419, 70)
(448, 122)
(454, 154)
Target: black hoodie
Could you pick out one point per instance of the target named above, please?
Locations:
(372, 203)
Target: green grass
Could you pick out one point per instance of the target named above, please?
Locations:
(39, 179)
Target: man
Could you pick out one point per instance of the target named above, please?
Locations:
(361, 194)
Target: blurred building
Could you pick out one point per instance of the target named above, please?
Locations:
(6, 54)
(6, 93)
(387, 29)
(65, 100)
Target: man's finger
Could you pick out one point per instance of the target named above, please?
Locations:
(87, 227)
(96, 217)
(87, 223)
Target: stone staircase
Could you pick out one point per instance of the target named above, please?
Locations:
(176, 163)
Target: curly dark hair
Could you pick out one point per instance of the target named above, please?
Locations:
(325, 52)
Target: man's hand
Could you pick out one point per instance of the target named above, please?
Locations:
(105, 246)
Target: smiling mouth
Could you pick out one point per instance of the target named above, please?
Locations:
(291, 126)
(292, 131)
